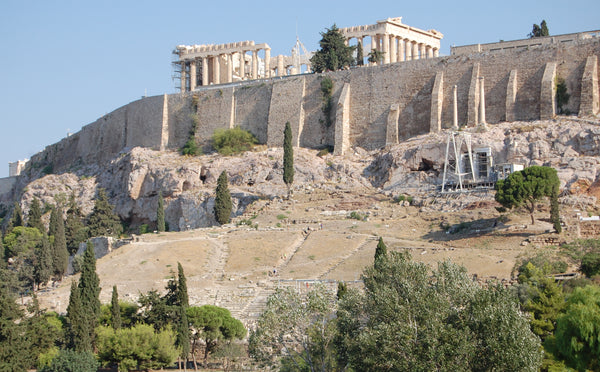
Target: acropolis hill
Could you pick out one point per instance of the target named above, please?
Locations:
(412, 92)
(400, 109)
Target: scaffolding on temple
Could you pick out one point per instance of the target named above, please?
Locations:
(300, 56)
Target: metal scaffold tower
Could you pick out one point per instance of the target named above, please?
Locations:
(300, 55)
(456, 168)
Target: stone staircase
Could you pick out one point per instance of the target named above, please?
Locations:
(343, 258)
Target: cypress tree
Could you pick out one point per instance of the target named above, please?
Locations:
(554, 210)
(78, 326)
(341, 290)
(89, 283)
(103, 221)
(183, 333)
(360, 57)
(288, 156)
(34, 217)
(42, 265)
(60, 254)
(160, 213)
(13, 343)
(182, 292)
(380, 253)
(115, 309)
(75, 232)
(16, 219)
(223, 206)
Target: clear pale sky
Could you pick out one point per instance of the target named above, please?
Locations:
(63, 64)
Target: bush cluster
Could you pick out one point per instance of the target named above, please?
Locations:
(233, 141)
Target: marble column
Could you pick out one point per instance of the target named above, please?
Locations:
(415, 50)
(217, 69)
(193, 75)
(429, 51)
(268, 62)
(436, 52)
(229, 62)
(422, 53)
(204, 70)
(254, 64)
(408, 49)
(243, 65)
(481, 100)
(393, 49)
(183, 77)
(280, 68)
(386, 49)
(401, 50)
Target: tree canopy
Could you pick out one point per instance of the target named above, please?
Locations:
(298, 327)
(410, 319)
(539, 30)
(213, 325)
(526, 188)
(578, 330)
(103, 221)
(334, 53)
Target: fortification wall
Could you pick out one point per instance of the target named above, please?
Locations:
(6, 185)
(517, 86)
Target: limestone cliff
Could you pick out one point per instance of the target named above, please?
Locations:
(414, 167)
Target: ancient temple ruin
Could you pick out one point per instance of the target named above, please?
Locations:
(397, 41)
(200, 65)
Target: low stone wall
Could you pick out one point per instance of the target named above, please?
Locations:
(589, 229)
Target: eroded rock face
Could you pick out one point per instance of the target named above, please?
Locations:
(415, 167)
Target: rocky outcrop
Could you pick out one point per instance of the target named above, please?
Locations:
(134, 179)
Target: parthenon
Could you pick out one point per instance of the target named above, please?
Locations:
(397, 41)
(200, 65)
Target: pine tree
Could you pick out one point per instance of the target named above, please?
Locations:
(34, 217)
(360, 58)
(160, 213)
(103, 221)
(89, 285)
(42, 266)
(334, 53)
(75, 231)
(78, 326)
(288, 156)
(60, 254)
(115, 309)
(223, 206)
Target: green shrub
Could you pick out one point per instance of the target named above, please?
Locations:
(590, 264)
(144, 229)
(281, 216)
(191, 148)
(72, 361)
(357, 216)
(48, 169)
(327, 107)
(233, 141)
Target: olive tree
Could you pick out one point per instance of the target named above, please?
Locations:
(296, 331)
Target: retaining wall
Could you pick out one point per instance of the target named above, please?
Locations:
(517, 85)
